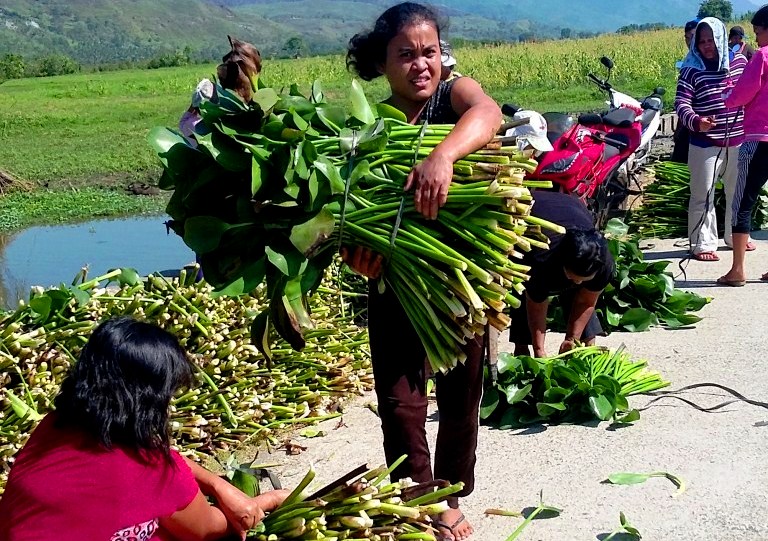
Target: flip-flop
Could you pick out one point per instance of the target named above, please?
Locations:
(706, 256)
(439, 524)
(751, 247)
(764, 277)
(723, 281)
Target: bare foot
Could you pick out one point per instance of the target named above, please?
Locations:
(706, 256)
(453, 525)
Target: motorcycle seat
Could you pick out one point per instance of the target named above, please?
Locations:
(620, 118)
(647, 117)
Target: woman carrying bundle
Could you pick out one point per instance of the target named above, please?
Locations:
(404, 46)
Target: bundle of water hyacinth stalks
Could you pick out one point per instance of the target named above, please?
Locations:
(363, 504)
(275, 187)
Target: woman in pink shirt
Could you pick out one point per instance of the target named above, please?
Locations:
(751, 92)
(100, 467)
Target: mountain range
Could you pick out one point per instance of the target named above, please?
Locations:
(111, 31)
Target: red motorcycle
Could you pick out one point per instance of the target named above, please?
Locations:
(588, 152)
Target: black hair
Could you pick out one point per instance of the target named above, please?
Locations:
(760, 18)
(690, 25)
(584, 251)
(119, 390)
(368, 50)
(736, 31)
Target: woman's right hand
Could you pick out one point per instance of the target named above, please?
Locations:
(363, 260)
(706, 123)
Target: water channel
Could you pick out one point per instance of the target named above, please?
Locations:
(49, 255)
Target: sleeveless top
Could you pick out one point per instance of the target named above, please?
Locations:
(439, 109)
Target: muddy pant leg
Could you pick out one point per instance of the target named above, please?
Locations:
(399, 377)
(458, 402)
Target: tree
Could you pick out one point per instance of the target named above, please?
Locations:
(294, 47)
(722, 9)
(565, 33)
(12, 67)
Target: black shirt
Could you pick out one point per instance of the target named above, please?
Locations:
(439, 109)
(547, 266)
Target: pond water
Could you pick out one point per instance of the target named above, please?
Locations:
(49, 255)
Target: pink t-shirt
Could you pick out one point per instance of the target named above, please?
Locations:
(65, 486)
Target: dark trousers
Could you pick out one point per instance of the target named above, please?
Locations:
(520, 332)
(400, 371)
(681, 139)
(753, 172)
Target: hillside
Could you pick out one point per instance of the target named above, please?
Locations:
(107, 31)
(110, 31)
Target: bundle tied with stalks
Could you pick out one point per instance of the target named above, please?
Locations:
(277, 185)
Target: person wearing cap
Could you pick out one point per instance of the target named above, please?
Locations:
(448, 62)
(576, 267)
(737, 44)
(531, 134)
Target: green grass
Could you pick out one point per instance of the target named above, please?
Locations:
(24, 209)
(85, 130)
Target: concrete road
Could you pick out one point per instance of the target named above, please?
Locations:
(721, 456)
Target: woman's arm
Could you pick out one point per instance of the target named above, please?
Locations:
(583, 307)
(749, 83)
(239, 511)
(536, 313)
(684, 101)
(479, 120)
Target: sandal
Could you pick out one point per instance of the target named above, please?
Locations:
(751, 247)
(723, 281)
(764, 277)
(439, 524)
(706, 256)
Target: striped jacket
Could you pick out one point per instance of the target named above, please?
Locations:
(700, 94)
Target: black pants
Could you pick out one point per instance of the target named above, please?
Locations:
(520, 333)
(400, 370)
(753, 173)
(681, 139)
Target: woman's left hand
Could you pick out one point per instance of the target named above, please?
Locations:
(431, 179)
(243, 512)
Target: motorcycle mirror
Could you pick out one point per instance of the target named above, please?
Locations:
(510, 109)
(607, 62)
(659, 91)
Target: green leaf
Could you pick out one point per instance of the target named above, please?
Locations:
(507, 362)
(287, 259)
(360, 109)
(246, 279)
(489, 403)
(332, 117)
(81, 297)
(266, 99)
(227, 153)
(631, 530)
(245, 482)
(310, 432)
(601, 406)
(42, 305)
(546, 409)
(638, 319)
(629, 417)
(308, 236)
(256, 177)
(616, 228)
(387, 111)
(260, 335)
(203, 233)
(514, 393)
(331, 173)
(129, 277)
(317, 92)
(628, 478)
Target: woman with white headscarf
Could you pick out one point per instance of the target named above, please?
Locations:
(716, 131)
